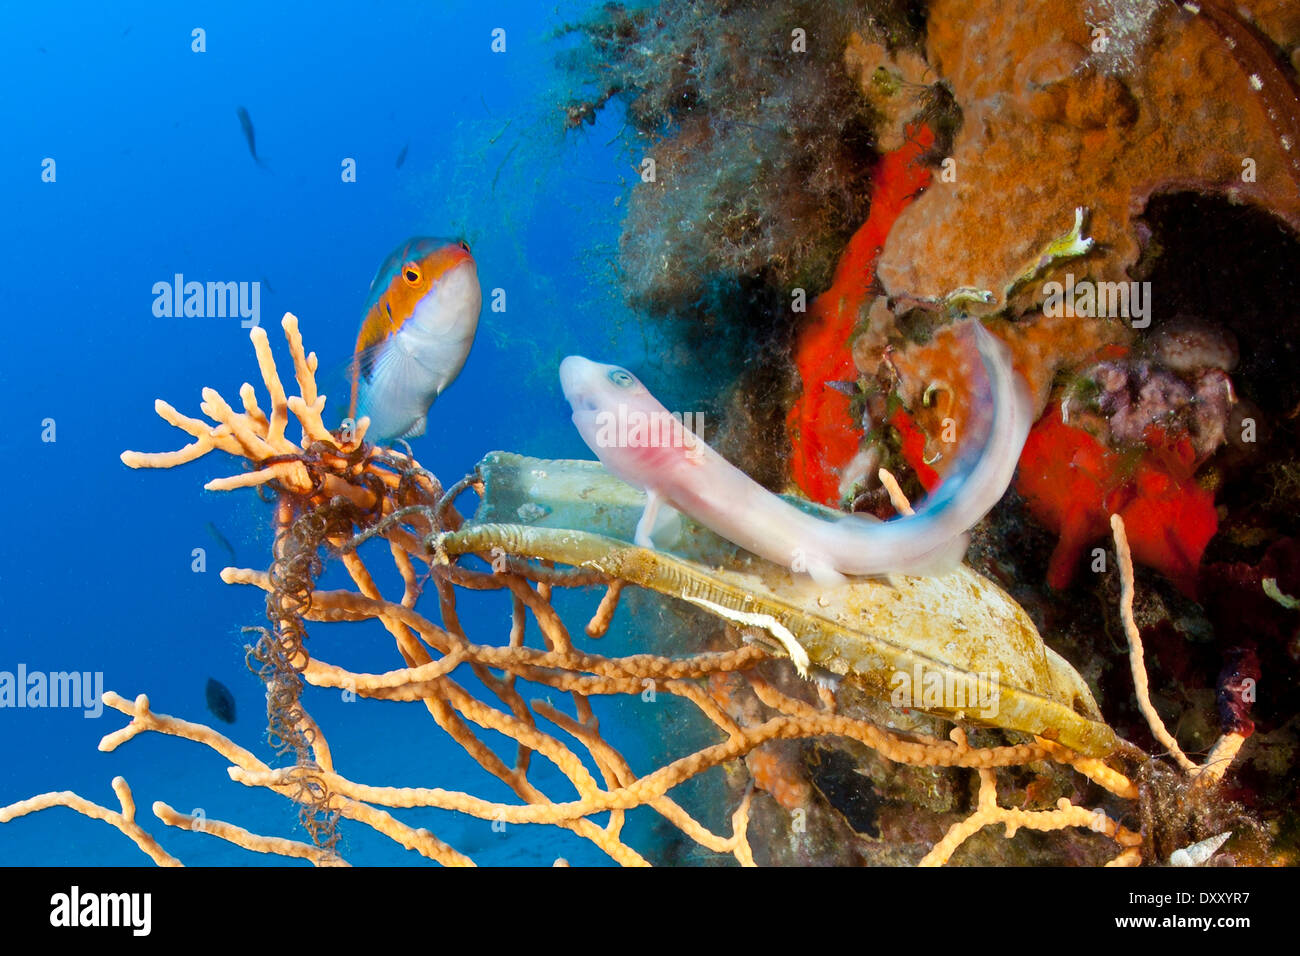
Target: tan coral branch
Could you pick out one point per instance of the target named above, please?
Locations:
(988, 812)
(277, 846)
(123, 820)
(1136, 664)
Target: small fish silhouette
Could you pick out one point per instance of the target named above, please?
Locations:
(220, 700)
(246, 124)
(401, 157)
(215, 534)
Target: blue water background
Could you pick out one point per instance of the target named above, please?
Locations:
(154, 178)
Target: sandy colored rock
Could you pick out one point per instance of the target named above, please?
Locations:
(895, 84)
(1051, 123)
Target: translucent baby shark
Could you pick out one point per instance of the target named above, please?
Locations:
(687, 475)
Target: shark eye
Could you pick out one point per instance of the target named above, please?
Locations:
(621, 378)
(411, 273)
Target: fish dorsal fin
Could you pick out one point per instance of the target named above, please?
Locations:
(944, 559)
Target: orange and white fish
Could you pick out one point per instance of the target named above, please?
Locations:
(419, 324)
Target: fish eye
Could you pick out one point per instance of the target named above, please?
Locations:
(621, 378)
(463, 244)
(411, 273)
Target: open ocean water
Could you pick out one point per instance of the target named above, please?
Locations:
(123, 166)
